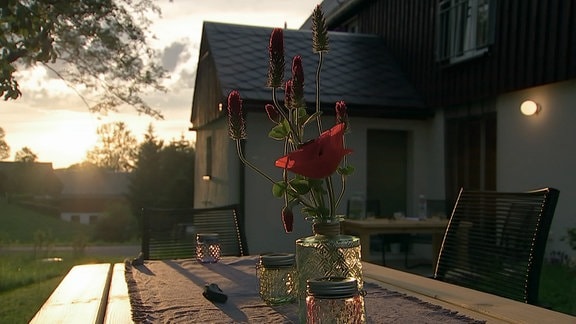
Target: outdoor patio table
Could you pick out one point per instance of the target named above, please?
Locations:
(366, 227)
(171, 291)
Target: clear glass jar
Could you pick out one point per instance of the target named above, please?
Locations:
(207, 248)
(334, 300)
(276, 274)
(326, 254)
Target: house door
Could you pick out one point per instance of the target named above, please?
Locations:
(470, 153)
(387, 170)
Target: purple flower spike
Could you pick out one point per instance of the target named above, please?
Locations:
(297, 82)
(276, 64)
(236, 122)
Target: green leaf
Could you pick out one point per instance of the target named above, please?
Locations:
(278, 189)
(279, 132)
(300, 185)
(346, 171)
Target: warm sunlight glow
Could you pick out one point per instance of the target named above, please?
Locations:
(52, 120)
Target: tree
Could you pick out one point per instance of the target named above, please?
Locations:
(116, 148)
(145, 177)
(163, 175)
(25, 155)
(101, 45)
(4, 148)
(177, 170)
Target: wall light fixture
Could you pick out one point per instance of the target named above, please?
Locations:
(529, 108)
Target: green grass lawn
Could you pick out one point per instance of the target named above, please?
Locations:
(20, 226)
(26, 281)
(558, 288)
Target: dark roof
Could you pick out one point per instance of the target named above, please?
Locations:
(92, 182)
(36, 178)
(358, 68)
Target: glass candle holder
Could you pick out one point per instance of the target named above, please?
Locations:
(334, 300)
(276, 274)
(207, 248)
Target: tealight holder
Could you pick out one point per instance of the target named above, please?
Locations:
(207, 248)
(276, 274)
(334, 300)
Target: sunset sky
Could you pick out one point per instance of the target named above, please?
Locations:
(55, 124)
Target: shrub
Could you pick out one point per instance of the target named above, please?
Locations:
(117, 224)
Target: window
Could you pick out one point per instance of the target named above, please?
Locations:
(464, 29)
(208, 161)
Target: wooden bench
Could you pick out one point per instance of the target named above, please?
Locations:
(90, 293)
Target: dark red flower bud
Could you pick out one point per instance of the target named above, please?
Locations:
(287, 219)
(297, 82)
(273, 113)
(236, 122)
(288, 94)
(342, 114)
(276, 64)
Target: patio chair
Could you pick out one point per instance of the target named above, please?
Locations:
(495, 242)
(170, 233)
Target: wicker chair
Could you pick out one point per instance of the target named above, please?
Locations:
(495, 242)
(170, 233)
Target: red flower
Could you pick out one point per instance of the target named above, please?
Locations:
(318, 158)
(287, 219)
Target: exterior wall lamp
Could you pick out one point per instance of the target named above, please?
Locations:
(530, 108)
(206, 177)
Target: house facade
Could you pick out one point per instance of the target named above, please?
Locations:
(475, 62)
(384, 111)
(464, 66)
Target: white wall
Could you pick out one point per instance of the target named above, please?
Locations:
(222, 188)
(539, 151)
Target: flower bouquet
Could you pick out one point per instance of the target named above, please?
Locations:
(308, 166)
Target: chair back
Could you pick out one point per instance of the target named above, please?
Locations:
(170, 233)
(495, 242)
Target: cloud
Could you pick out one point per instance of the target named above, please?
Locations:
(171, 55)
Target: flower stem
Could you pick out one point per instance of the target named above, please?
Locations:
(246, 162)
(318, 69)
(296, 135)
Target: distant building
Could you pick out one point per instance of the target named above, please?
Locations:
(88, 192)
(31, 179)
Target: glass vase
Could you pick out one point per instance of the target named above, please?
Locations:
(327, 253)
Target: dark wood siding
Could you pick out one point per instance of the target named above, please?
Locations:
(535, 44)
(208, 93)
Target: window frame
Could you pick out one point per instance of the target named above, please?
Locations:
(473, 37)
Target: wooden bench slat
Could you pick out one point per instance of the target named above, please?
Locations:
(79, 297)
(118, 309)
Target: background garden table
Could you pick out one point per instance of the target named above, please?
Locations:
(367, 227)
